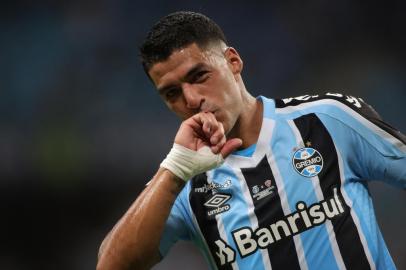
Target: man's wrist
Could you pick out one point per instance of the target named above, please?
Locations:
(186, 163)
(179, 181)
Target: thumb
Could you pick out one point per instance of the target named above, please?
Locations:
(230, 146)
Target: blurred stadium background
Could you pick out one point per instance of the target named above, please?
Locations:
(82, 129)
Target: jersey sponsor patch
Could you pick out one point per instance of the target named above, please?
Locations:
(213, 186)
(307, 161)
(264, 190)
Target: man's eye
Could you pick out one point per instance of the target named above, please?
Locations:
(171, 93)
(201, 76)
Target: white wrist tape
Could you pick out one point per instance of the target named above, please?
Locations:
(186, 163)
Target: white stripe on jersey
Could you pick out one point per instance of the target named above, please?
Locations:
(374, 128)
(353, 214)
(223, 235)
(220, 224)
(286, 209)
(212, 262)
(251, 214)
(319, 194)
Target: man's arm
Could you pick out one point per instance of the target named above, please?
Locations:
(134, 240)
(133, 243)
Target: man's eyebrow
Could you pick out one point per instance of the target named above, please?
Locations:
(195, 69)
(165, 88)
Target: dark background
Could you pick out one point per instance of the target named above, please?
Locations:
(82, 129)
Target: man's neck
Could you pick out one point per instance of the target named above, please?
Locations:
(249, 123)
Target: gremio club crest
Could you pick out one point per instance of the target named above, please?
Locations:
(307, 161)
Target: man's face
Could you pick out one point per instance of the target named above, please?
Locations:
(193, 80)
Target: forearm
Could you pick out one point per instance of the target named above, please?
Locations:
(133, 242)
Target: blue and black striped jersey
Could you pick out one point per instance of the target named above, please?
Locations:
(298, 198)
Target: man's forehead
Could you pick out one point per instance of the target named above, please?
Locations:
(181, 60)
(176, 58)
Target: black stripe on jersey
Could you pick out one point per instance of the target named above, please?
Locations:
(312, 130)
(268, 210)
(356, 104)
(208, 226)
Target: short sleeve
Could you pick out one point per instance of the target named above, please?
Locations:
(372, 148)
(378, 159)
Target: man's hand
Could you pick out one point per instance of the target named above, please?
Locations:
(203, 129)
(200, 145)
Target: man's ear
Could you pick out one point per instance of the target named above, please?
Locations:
(234, 60)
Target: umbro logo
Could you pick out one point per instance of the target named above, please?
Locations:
(217, 200)
(217, 203)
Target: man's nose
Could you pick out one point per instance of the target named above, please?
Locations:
(192, 97)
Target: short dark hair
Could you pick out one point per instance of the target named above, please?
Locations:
(176, 31)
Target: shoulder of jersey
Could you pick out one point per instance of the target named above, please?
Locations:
(328, 99)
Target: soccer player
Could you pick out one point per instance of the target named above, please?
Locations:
(255, 183)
